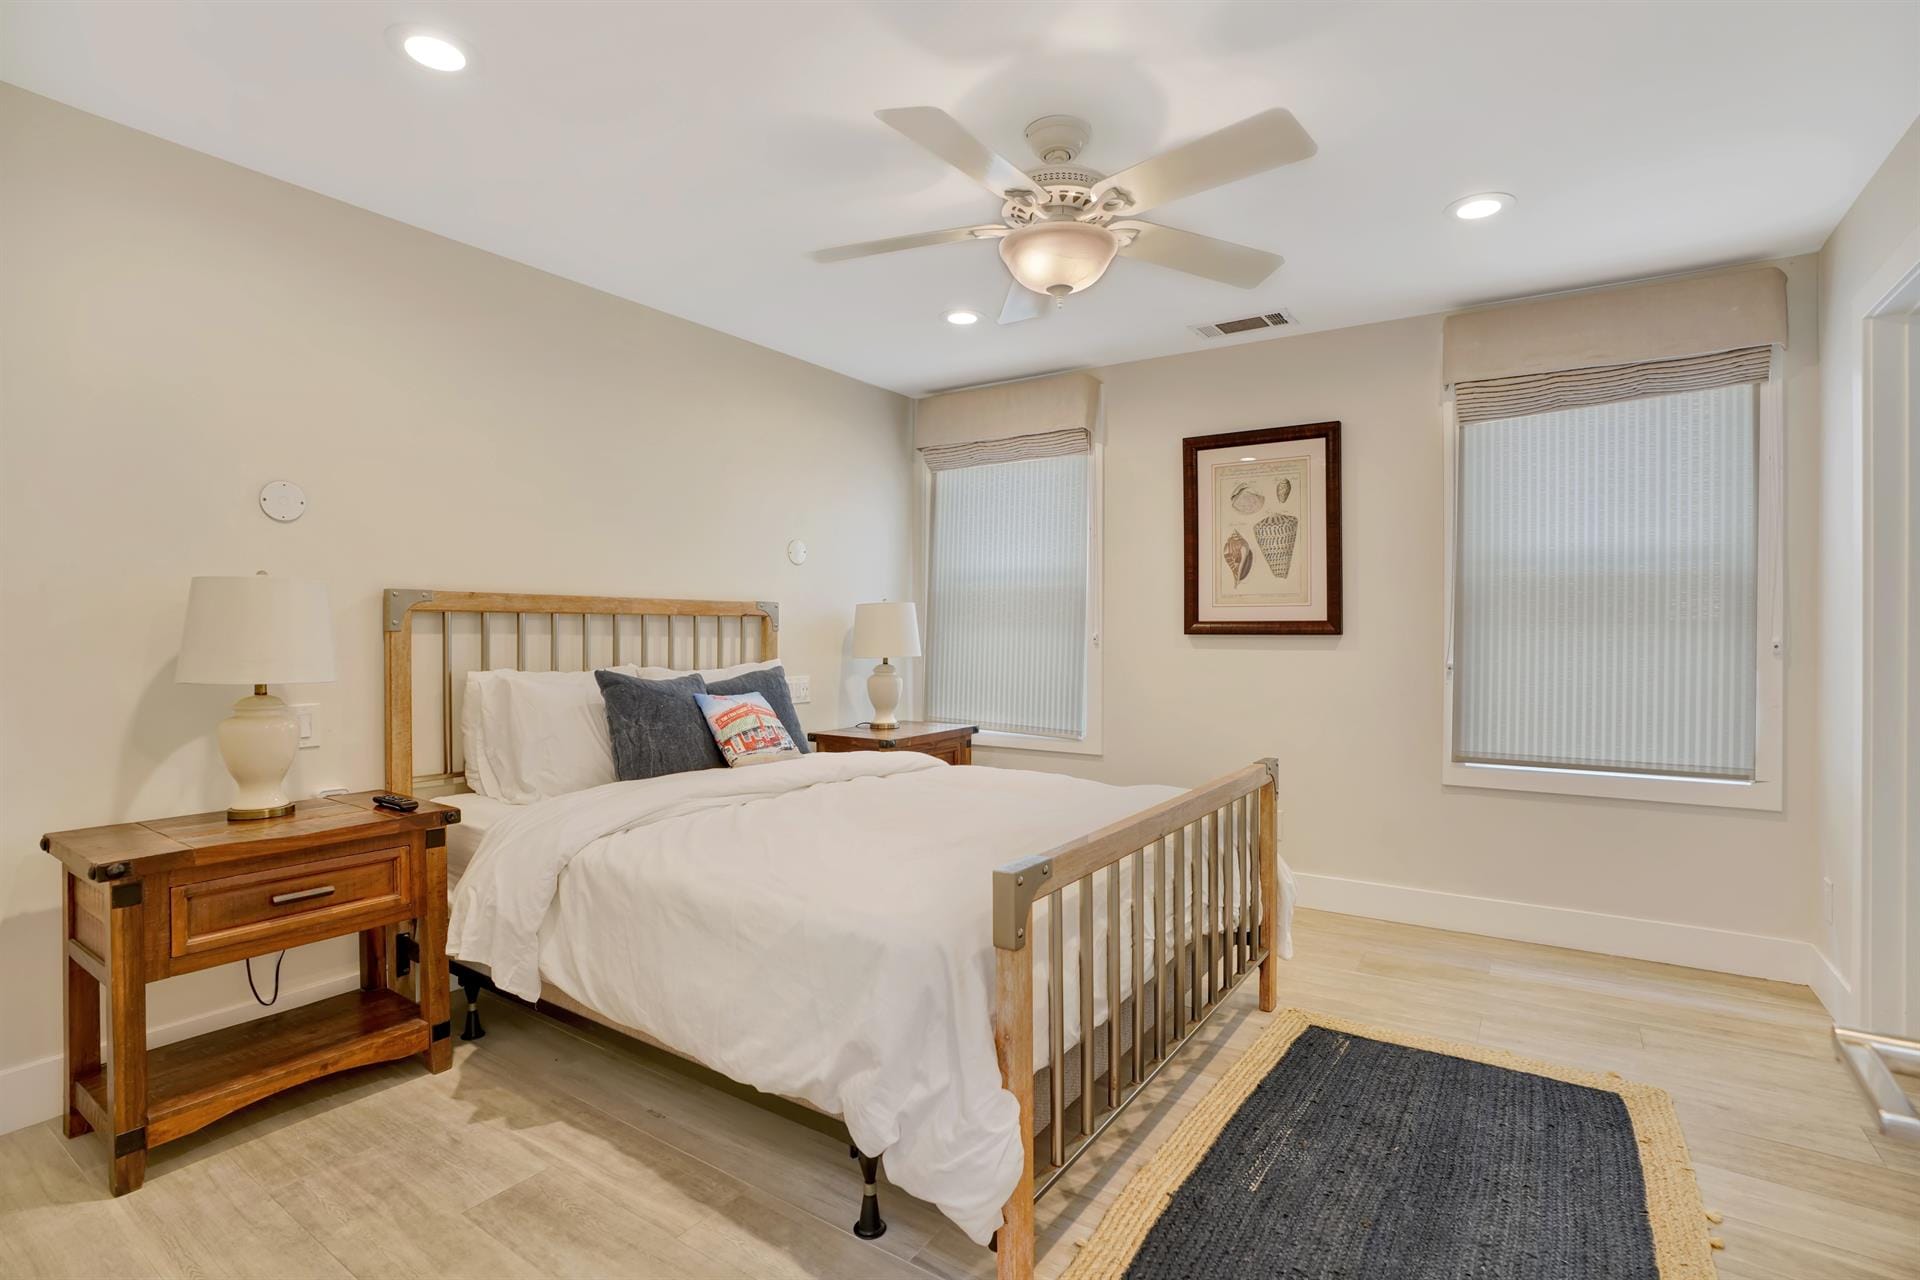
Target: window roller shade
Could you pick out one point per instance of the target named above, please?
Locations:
(1606, 587)
(1007, 596)
(1009, 541)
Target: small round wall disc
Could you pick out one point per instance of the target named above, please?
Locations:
(283, 500)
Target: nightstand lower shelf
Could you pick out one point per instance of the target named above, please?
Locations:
(192, 1083)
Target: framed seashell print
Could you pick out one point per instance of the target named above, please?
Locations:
(1263, 531)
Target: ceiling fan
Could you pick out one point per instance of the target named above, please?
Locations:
(1062, 224)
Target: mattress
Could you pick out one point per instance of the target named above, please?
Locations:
(478, 814)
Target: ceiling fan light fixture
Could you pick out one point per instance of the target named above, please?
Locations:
(1058, 258)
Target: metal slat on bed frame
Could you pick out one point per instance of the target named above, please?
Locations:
(754, 626)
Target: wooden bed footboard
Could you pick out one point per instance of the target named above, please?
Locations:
(1206, 861)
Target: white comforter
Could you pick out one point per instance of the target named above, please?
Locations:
(819, 928)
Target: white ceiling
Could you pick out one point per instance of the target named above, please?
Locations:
(687, 156)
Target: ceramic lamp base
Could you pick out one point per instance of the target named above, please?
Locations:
(883, 690)
(258, 742)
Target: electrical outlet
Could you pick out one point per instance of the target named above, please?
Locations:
(801, 687)
(307, 716)
(1826, 897)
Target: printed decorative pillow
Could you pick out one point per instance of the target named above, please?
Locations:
(770, 682)
(746, 728)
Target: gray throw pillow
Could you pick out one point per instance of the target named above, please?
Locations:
(772, 685)
(656, 726)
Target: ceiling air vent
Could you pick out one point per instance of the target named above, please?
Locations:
(1225, 328)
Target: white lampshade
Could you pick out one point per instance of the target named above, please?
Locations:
(256, 630)
(1058, 258)
(889, 629)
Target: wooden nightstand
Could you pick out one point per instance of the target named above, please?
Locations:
(146, 900)
(950, 742)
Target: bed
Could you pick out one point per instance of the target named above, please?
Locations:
(974, 970)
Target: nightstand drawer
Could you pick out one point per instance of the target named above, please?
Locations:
(285, 906)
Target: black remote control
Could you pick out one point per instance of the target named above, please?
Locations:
(400, 804)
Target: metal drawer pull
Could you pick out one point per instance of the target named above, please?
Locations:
(300, 895)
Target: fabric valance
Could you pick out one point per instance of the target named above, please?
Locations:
(1037, 407)
(1573, 388)
(1609, 328)
(1047, 444)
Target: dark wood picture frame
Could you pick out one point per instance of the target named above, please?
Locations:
(1190, 450)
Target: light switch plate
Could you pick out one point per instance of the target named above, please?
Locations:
(801, 687)
(307, 716)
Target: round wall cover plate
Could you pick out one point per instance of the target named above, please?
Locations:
(797, 551)
(284, 501)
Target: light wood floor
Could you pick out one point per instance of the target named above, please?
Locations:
(546, 1151)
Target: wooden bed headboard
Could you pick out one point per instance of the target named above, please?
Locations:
(432, 637)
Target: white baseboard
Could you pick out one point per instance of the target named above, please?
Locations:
(1835, 992)
(30, 1091)
(1751, 955)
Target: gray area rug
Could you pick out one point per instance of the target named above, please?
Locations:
(1358, 1158)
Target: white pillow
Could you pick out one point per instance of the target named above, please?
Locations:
(709, 674)
(531, 735)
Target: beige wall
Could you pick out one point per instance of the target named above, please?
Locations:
(1356, 719)
(1880, 234)
(175, 331)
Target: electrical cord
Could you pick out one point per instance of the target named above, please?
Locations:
(276, 980)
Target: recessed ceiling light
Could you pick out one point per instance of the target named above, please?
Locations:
(960, 315)
(1482, 205)
(432, 51)
(1249, 458)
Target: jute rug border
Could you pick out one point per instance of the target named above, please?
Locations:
(1680, 1243)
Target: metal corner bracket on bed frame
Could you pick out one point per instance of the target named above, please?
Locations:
(398, 600)
(1015, 887)
(772, 609)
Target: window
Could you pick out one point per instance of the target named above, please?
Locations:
(1009, 560)
(1613, 602)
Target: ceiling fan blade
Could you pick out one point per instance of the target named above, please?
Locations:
(1258, 143)
(867, 249)
(941, 134)
(1023, 304)
(1221, 260)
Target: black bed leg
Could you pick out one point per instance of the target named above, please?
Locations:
(871, 1226)
(470, 984)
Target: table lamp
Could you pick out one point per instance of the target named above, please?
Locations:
(257, 631)
(888, 629)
